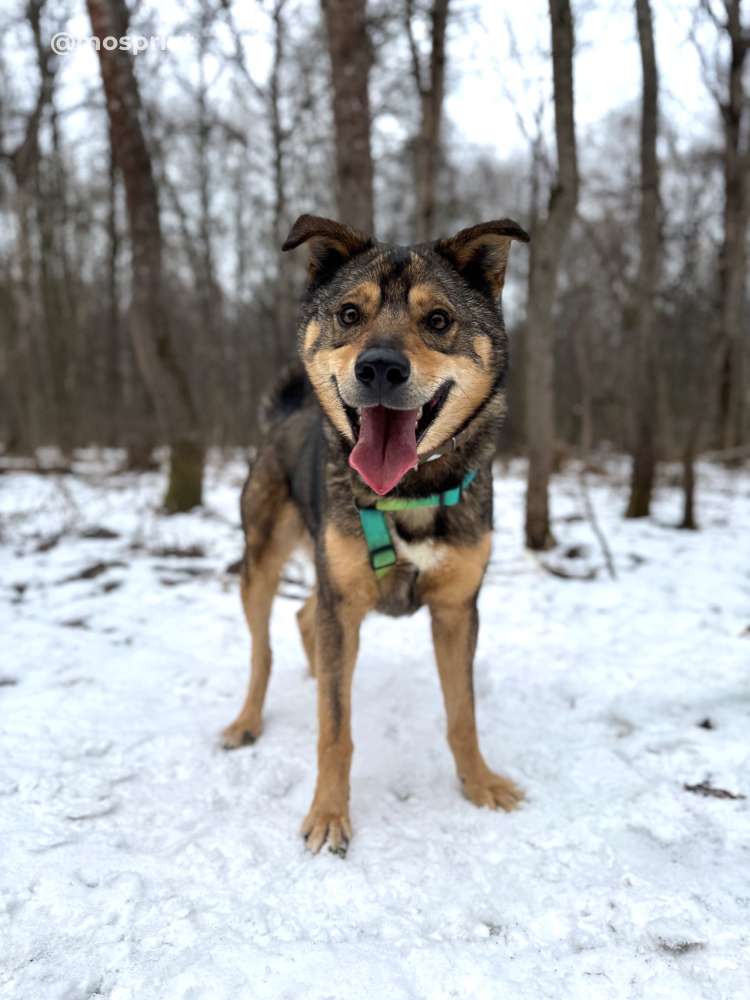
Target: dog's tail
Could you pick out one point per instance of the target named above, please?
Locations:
(291, 392)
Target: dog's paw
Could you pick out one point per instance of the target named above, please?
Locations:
(241, 733)
(323, 826)
(493, 791)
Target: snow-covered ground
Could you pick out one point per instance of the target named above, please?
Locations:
(138, 860)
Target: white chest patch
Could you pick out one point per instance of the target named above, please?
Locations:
(424, 555)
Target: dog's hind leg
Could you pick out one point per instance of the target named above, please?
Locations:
(273, 528)
(306, 622)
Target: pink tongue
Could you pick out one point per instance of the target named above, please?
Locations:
(387, 446)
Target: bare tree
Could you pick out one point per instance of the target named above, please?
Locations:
(351, 58)
(31, 348)
(285, 330)
(430, 84)
(113, 384)
(727, 88)
(547, 247)
(273, 98)
(735, 110)
(644, 306)
(149, 315)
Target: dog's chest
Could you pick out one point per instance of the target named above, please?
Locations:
(424, 554)
(399, 588)
(413, 535)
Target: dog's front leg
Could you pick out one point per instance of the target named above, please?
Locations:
(337, 642)
(346, 591)
(452, 598)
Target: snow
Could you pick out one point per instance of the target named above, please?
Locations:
(141, 861)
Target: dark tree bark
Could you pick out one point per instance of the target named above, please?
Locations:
(351, 58)
(735, 109)
(430, 86)
(284, 303)
(39, 411)
(25, 156)
(208, 287)
(688, 482)
(112, 380)
(149, 318)
(547, 247)
(644, 457)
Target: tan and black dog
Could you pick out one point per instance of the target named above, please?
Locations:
(406, 352)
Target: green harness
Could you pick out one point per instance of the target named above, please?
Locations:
(375, 528)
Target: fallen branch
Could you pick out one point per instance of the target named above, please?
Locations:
(706, 789)
(564, 574)
(93, 571)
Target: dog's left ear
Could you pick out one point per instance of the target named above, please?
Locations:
(331, 244)
(480, 254)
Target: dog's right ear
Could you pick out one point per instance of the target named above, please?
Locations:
(331, 244)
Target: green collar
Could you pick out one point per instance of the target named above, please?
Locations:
(375, 528)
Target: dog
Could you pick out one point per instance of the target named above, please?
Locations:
(378, 459)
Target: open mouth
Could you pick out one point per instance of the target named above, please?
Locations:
(432, 408)
(426, 415)
(386, 439)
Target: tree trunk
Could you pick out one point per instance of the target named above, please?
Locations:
(688, 481)
(547, 246)
(644, 458)
(149, 320)
(40, 417)
(210, 297)
(733, 253)
(284, 301)
(112, 378)
(351, 58)
(431, 93)
(185, 476)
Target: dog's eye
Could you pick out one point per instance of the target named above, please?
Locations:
(349, 314)
(438, 320)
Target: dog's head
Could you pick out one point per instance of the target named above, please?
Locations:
(403, 345)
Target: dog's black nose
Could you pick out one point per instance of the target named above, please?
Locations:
(382, 368)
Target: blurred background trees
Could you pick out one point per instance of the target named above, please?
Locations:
(143, 201)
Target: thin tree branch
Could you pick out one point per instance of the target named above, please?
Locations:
(588, 507)
(416, 62)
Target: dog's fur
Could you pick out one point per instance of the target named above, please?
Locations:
(301, 490)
